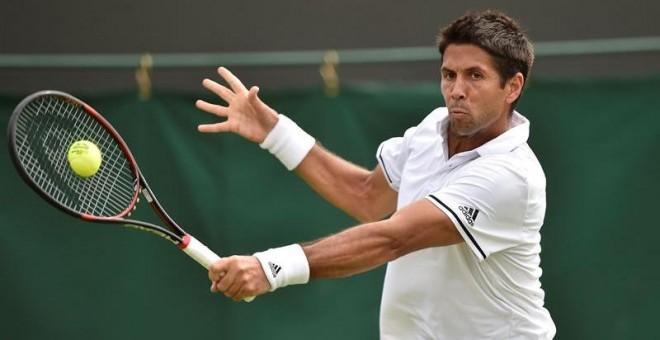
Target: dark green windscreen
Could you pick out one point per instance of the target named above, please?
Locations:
(64, 279)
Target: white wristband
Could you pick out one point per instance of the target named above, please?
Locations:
(288, 142)
(284, 266)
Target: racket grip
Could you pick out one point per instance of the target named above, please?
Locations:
(202, 254)
(198, 251)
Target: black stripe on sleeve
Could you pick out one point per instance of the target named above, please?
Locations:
(380, 156)
(467, 232)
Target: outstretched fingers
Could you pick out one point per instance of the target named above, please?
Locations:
(255, 101)
(245, 113)
(226, 126)
(232, 80)
(226, 94)
(217, 110)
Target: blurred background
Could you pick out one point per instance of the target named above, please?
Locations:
(592, 101)
(200, 26)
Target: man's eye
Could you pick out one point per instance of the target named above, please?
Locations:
(476, 75)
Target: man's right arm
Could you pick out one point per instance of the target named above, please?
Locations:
(364, 195)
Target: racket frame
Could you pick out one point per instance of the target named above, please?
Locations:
(186, 242)
(173, 233)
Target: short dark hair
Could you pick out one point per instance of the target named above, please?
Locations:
(496, 33)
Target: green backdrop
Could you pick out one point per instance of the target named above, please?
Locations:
(65, 279)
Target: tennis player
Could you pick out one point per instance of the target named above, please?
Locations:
(464, 193)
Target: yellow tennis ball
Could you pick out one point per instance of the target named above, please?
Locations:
(84, 158)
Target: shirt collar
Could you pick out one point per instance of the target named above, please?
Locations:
(512, 138)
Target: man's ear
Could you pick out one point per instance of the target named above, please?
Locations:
(514, 87)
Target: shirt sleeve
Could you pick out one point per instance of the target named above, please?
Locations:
(488, 204)
(392, 155)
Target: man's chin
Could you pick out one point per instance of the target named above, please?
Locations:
(462, 130)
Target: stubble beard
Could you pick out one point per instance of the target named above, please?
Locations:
(463, 128)
(468, 126)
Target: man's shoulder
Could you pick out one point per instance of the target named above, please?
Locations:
(520, 162)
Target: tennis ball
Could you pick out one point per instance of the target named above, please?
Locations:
(84, 158)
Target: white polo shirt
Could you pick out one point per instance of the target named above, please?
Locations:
(487, 287)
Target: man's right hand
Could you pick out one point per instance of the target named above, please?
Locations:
(246, 114)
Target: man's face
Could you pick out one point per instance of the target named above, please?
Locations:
(472, 89)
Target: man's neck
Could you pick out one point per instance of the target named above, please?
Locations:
(460, 143)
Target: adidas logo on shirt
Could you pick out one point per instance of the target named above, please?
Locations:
(274, 269)
(469, 213)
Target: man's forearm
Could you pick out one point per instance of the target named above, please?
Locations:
(351, 251)
(360, 193)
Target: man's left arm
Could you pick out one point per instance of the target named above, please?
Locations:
(361, 248)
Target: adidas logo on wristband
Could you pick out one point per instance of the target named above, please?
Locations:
(284, 266)
(274, 269)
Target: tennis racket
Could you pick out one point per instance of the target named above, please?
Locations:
(43, 127)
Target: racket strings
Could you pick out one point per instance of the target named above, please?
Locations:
(45, 129)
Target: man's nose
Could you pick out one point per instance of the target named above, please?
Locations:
(458, 90)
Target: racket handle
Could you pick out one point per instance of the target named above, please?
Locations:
(202, 254)
(198, 251)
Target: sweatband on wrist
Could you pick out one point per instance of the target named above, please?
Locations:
(284, 266)
(288, 142)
